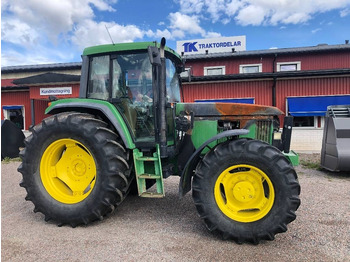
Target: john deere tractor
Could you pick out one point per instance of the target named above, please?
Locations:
(129, 130)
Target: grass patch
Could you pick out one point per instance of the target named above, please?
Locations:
(311, 164)
(7, 160)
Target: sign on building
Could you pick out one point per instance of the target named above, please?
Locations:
(211, 45)
(49, 91)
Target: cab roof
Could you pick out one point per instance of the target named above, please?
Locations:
(123, 47)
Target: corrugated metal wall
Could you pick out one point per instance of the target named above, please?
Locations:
(260, 90)
(39, 108)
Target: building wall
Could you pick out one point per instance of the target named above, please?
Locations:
(260, 90)
(39, 107)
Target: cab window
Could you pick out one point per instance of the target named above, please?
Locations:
(172, 83)
(99, 78)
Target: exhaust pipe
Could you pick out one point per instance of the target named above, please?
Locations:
(162, 101)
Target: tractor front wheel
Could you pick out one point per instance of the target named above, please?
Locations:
(75, 170)
(246, 190)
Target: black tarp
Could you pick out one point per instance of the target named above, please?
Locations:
(12, 138)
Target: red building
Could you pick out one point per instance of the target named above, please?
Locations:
(277, 77)
(25, 90)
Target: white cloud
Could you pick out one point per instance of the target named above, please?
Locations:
(262, 12)
(17, 32)
(52, 18)
(29, 23)
(251, 15)
(158, 34)
(215, 8)
(212, 35)
(345, 12)
(315, 30)
(103, 5)
(40, 28)
(43, 55)
(182, 24)
(95, 33)
(12, 57)
(191, 6)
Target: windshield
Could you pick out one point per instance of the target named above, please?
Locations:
(132, 76)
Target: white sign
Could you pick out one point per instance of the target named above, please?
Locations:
(211, 45)
(48, 91)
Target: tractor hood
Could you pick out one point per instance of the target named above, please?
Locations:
(244, 113)
(228, 109)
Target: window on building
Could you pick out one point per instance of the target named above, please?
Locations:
(15, 114)
(304, 121)
(288, 66)
(253, 68)
(214, 70)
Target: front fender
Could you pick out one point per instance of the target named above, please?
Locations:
(187, 173)
(104, 107)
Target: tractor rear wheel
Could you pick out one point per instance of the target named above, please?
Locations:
(75, 170)
(246, 190)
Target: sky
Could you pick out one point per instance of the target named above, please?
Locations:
(57, 31)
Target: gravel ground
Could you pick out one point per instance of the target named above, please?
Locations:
(169, 229)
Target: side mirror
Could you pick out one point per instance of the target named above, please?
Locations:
(154, 55)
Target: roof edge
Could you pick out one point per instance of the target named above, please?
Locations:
(294, 50)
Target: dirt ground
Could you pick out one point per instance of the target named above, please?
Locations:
(169, 229)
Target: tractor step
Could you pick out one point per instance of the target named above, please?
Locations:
(148, 168)
(147, 158)
(152, 195)
(148, 176)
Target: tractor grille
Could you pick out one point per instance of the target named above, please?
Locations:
(263, 130)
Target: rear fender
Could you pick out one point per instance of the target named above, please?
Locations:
(99, 107)
(187, 173)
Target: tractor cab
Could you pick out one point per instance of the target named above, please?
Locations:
(130, 80)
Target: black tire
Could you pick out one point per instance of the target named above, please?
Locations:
(101, 157)
(237, 163)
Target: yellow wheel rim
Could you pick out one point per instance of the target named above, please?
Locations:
(244, 193)
(68, 171)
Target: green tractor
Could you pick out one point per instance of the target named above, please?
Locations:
(129, 130)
